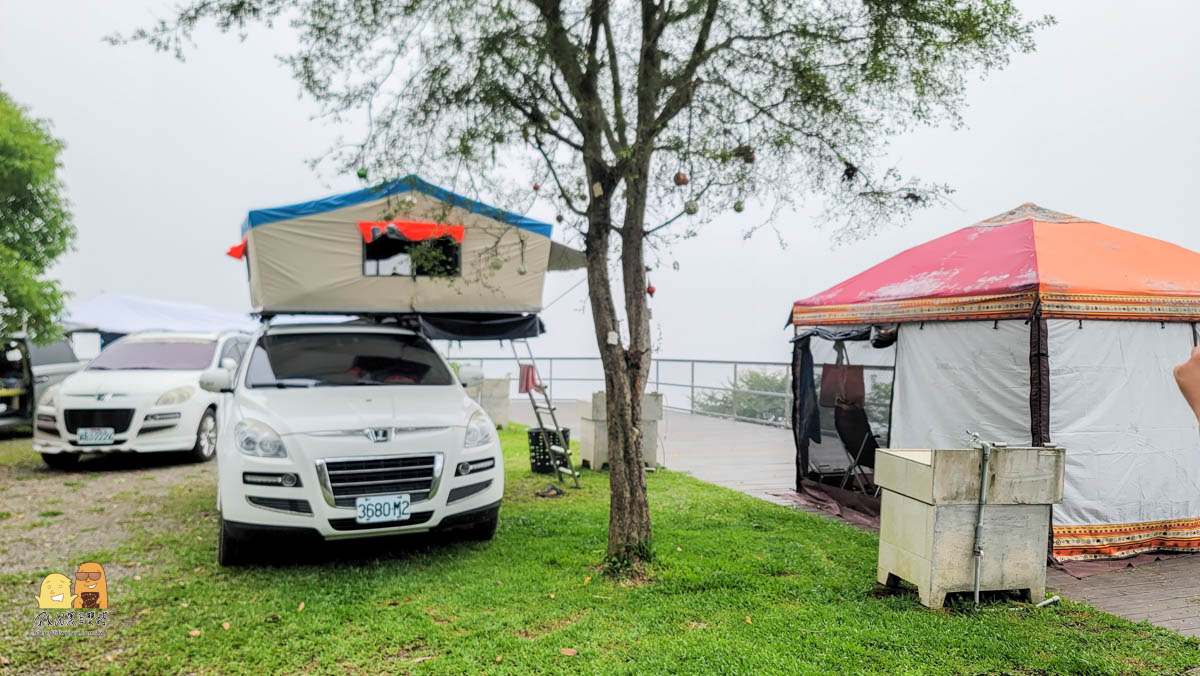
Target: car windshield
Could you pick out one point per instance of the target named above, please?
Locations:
(176, 354)
(345, 359)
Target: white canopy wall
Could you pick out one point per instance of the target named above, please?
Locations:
(1132, 479)
(951, 376)
(1133, 448)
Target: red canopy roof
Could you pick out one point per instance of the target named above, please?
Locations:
(1007, 265)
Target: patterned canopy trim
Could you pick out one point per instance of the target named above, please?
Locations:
(1110, 541)
(1083, 306)
(1002, 306)
(1073, 306)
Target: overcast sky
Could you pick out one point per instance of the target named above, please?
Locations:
(164, 159)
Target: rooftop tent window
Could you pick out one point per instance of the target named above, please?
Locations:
(411, 249)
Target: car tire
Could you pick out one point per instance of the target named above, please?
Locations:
(206, 438)
(484, 530)
(60, 460)
(230, 550)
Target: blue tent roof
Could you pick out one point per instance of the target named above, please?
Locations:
(397, 187)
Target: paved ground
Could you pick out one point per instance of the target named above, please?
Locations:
(758, 460)
(1166, 593)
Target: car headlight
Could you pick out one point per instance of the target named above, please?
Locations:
(176, 396)
(47, 397)
(256, 438)
(479, 431)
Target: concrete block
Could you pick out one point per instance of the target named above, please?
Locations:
(928, 513)
(652, 406)
(593, 431)
(492, 395)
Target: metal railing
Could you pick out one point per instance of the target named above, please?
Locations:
(703, 386)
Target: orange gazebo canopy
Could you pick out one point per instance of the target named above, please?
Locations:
(1023, 260)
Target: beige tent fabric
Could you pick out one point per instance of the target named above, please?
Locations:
(315, 263)
(564, 258)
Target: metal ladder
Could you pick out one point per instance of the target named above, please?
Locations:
(560, 457)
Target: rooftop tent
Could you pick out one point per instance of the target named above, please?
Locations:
(401, 247)
(1039, 327)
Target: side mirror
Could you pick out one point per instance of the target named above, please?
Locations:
(229, 364)
(470, 375)
(217, 380)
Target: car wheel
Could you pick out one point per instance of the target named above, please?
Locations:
(60, 460)
(230, 550)
(484, 530)
(206, 438)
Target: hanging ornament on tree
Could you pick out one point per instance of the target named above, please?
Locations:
(681, 178)
(650, 290)
(558, 217)
(746, 153)
(362, 173)
(738, 206)
(690, 207)
(521, 269)
(496, 263)
(537, 187)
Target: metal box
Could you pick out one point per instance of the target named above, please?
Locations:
(930, 503)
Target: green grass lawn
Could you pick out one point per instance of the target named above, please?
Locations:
(738, 586)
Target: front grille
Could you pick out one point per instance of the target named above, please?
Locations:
(467, 491)
(411, 474)
(282, 504)
(350, 524)
(116, 418)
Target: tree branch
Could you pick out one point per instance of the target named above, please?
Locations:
(614, 67)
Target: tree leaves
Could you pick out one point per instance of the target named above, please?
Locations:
(35, 224)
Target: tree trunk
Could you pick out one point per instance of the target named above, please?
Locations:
(629, 515)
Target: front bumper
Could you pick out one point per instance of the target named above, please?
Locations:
(311, 505)
(151, 429)
(458, 521)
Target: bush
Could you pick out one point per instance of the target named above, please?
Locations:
(765, 407)
(778, 410)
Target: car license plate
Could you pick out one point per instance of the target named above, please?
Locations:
(380, 508)
(95, 435)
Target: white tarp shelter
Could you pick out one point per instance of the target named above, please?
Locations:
(117, 313)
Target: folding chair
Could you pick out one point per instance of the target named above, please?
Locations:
(858, 441)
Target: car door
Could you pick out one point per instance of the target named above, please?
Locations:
(51, 364)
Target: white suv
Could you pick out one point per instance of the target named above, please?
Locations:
(350, 430)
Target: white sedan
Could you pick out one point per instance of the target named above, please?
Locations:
(141, 394)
